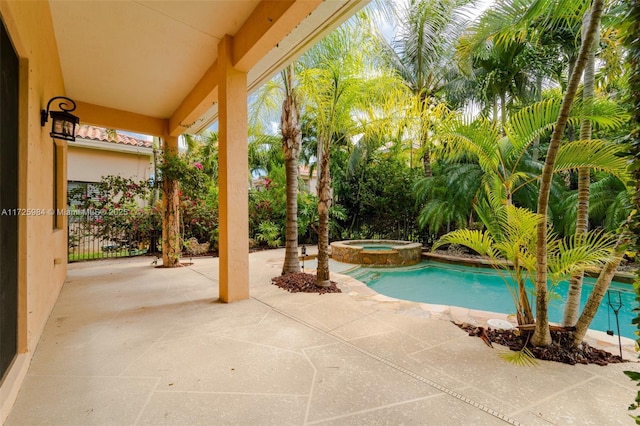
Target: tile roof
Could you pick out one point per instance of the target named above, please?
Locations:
(100, 134)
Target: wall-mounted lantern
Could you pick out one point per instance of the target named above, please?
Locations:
(64, 123)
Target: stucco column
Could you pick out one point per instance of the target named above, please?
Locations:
(233, 177)
(171, 243)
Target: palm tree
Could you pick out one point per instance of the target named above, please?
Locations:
(208, 154)
(422, 54)
(505, 159)
(339, 81)
(291, 140)
(448, 197)
(265, 153)
(542, 335)
(502, 72)
(510, 236)
(584, 176)
(514, 47)
(203, 148)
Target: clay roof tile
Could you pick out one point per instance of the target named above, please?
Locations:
(99, 134)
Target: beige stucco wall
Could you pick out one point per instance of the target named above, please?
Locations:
(42, 257)
(89, 165)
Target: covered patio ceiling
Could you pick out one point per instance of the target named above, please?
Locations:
(153, 62)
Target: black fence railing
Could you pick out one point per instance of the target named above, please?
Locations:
(88, 241)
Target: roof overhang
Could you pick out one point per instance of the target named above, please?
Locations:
(149, 66)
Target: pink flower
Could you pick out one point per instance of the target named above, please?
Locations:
(198, 166)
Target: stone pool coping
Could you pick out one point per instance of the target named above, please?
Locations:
(362, 293)
(624, 277)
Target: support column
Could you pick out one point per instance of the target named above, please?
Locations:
(171, 243)
(233, 176)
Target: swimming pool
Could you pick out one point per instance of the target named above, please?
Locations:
(484, 289)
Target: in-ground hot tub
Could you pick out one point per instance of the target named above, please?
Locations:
(377, 252)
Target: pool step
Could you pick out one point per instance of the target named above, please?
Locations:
(365, 275)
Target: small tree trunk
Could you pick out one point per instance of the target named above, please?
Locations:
(291, 140)
(426, 162)
(171, 244)
(542, 335)
(324, 203)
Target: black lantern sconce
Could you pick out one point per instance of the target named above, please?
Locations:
(64, 123)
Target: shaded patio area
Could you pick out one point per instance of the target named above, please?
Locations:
(128, 343)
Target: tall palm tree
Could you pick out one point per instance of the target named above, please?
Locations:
(517, 45)
(542, 335)
(339, 81)
(584, 177)
(291, 140)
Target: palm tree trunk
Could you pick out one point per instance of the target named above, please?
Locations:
(575, 283)
(503, 111)
(542, 335)
(600, 289)
(324, 203)
(291, 140)
(495, 110)
(424, 136)
(525, 314)
(584, 174)
(426, 162)
(535, 151)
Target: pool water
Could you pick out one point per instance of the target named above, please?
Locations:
(377, 247)
(484, 289)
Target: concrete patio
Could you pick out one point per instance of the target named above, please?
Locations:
(128, 343)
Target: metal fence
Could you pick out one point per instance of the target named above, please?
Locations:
(88, 241)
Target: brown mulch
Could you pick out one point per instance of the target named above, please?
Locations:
(302, 282)
(560, 350)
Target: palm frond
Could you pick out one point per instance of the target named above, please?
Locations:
(595, 154)
(521, 358)
(579, 253)
(530, 123)
(478, 241)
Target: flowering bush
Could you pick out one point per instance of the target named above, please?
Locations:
(199, 219)
(193, 181)
(108, 208)
(113, 210)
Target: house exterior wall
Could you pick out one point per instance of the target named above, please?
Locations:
(89, 165)
(42, 249)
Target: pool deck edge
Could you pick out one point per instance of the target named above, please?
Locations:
(361, 292)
